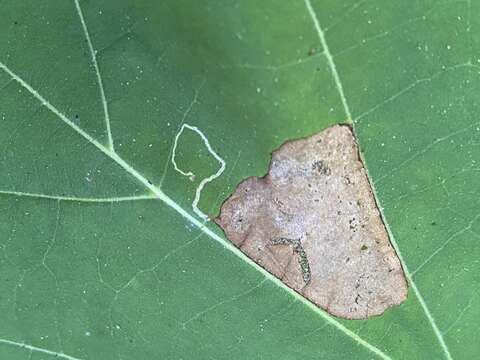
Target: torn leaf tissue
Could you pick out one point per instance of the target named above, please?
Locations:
(313, 222)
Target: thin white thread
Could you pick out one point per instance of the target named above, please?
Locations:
(190, 174)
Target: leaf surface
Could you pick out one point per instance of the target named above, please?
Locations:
(103, 256)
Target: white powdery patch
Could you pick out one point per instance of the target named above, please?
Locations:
(190, 174)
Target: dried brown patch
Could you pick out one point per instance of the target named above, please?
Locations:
(312, 221)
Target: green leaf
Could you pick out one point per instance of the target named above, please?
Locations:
(102, 254)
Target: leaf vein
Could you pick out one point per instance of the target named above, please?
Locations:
(329, 57)
(93, 54)
(336, 77)
(194, 221)
(59, 355)
(77, 199)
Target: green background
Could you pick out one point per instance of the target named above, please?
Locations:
(137, 280)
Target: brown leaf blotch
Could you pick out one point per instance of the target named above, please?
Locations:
(313, 222)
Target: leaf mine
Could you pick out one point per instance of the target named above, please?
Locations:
(313, 222)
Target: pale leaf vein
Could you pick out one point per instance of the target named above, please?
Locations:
(339, 86)
(93, 54)
(186, 215)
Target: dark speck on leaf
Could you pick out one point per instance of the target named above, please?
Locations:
(321, 167)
